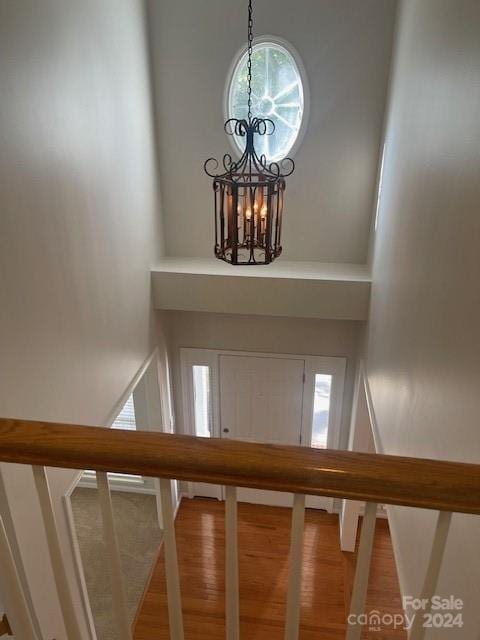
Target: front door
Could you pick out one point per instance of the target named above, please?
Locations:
(261, 400)
(274, 399)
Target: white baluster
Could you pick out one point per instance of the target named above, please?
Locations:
(231, 565)
(433, 571)
(12, 594)
(60, 575)
(175, 617)
(119, 598)
(362, 571)
(292, 622)
(6, 516)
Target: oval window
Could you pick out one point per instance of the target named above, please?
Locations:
(277, 94)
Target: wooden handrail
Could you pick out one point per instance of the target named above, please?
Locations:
(414, 482)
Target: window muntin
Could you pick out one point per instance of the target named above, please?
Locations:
(277, 93)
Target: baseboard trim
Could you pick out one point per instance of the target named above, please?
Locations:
(83, 484)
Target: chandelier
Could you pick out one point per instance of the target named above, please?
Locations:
(249, 193)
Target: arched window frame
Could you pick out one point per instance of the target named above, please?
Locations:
(262, 40)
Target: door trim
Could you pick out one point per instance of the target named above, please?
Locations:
(336, 366)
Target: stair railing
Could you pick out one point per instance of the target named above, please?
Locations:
(446, 487)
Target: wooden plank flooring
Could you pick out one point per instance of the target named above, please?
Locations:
(264, 537)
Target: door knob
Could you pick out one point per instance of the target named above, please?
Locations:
(226, 430)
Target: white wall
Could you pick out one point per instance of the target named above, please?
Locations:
(79, 230)
(267, 334)
(345, 46)
(424, 342)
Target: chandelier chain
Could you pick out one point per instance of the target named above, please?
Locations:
(250, 49)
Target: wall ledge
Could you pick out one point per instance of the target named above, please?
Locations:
(333, 291)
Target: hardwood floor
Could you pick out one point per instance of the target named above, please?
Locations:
(264, 538)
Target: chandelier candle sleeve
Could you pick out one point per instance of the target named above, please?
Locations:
(248, 193)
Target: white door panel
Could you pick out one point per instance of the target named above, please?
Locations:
(261, 401)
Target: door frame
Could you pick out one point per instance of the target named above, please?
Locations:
(330, 365)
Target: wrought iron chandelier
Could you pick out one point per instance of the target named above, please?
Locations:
(249, 194)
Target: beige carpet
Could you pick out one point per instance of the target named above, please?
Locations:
(139, 539)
